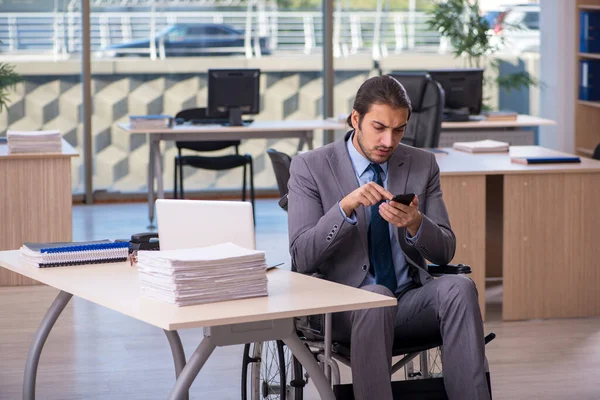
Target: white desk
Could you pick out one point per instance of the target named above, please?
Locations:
(257, 130)
(116, 286)
(515, 132)
(522, 121)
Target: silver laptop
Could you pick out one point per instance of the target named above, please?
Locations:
(184, 224)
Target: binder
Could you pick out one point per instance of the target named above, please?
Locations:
(589, 80)
(59, 254)
(589, 35)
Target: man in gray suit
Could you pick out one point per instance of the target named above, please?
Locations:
(343, 225)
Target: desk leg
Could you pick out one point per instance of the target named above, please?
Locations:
(301, 144)
(312, 367)
(151, 182)
(309, 140)
(191, 369)
(178, 354)
(158, 170)
(327, 349)
(35, 351)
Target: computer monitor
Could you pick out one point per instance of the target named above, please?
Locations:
(233, 93)
(463, 89)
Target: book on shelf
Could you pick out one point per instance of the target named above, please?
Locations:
(500, 115)
(482, 146)
(157, 121)
(61, 254)
(48, 141)
(545, 160)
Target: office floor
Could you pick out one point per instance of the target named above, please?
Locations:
(94, 353)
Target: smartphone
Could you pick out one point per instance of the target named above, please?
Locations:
(405, 199)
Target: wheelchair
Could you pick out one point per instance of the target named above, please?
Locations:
(270, 371)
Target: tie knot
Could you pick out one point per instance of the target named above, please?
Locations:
(376, 168)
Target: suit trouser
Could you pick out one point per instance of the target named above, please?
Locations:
(447, 304)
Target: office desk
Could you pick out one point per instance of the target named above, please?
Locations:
(535, 225)
(35, 201)
(257, 130)
(116, 287)
(509, 131)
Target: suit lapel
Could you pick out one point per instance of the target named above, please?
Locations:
(343, 171)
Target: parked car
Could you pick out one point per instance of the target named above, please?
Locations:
(517, 29)
(181, 40)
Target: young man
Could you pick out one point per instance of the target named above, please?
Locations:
(343, 225)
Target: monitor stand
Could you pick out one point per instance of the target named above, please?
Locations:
(456, 115)
(235, 117)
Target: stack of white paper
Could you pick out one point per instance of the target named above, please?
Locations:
(482, 146)
(34, 141)
(202, 275)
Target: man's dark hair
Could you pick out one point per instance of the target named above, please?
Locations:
(382, 89)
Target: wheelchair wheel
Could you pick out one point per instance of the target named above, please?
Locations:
(270, 364)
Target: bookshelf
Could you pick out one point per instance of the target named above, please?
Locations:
(587, 113)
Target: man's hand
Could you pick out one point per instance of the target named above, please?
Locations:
(367, 195)
(402, 216)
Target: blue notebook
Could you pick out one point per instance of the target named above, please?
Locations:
(58, 254)
(545, 160)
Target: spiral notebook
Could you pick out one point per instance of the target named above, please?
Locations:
(60, 254)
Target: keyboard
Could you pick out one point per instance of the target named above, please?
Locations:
(215, 121)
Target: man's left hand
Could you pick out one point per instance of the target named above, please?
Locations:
(402, 216)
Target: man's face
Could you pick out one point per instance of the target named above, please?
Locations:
(380, 132)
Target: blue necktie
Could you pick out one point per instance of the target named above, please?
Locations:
(380, 248)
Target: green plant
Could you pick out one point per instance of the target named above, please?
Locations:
(8, 80)
(470, 36)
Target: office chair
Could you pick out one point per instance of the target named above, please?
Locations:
(216, 163)
(427, 98)
(276, 380)
(596, 155)
(281, 166)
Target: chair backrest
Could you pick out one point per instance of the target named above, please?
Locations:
(596, 155)
(427, 98)
(199, 113)
(281, 165)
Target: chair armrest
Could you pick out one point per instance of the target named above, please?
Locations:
(283, 202)
(446, 269)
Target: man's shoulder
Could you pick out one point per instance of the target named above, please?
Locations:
(319, 154)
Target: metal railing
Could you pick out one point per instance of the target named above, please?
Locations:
(379, 32)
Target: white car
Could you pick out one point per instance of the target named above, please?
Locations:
(517, 30)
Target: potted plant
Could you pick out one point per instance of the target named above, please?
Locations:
(470, 36)
(8, 80)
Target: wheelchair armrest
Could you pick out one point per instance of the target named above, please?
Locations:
(446, 269)
(311, 327)
(283, 202)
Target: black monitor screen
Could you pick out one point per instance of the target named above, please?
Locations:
(463, 88)
(233, 92)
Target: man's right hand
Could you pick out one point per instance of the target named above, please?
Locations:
(367, 195)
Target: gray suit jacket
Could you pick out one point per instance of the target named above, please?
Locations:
(322, 241)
